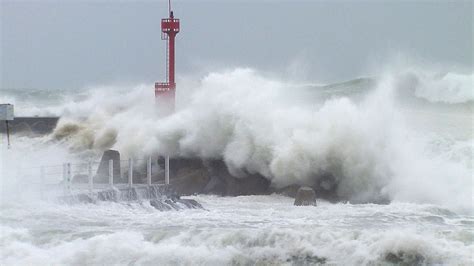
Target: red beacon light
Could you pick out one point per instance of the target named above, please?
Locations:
(166, 90)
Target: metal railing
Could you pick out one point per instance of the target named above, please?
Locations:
(81, 177)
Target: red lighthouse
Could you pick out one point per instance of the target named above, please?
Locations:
(165, 91)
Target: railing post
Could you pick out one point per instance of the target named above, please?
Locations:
(68, 176)
(167, 170)
(90, 177)
(148, 171)
(111, 173)
(130, 172)
(42, 182)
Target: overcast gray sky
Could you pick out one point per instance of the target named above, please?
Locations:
(71, 44)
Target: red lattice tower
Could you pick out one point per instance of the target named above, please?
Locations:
(165, 91)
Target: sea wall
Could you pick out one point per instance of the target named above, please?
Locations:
(190, 176)
(30, 125)
(196, 176)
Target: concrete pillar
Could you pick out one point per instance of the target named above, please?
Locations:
(148, 171)
(130, 172)
(102, 174)
(111, 173)
(167, 170)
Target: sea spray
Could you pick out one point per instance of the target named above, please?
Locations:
(290, 134)
(375, 136)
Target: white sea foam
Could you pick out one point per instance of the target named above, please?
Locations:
(256, 124)
(447, 88)
(240, 230)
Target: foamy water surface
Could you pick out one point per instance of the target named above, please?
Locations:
(234, 230)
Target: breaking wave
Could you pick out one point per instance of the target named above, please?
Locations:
(360, 139)
(238, 247)
(443, 88)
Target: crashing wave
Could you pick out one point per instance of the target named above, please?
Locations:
(288, 134)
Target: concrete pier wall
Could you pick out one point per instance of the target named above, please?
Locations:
(161, 197)
(30, 125)
(197, 176)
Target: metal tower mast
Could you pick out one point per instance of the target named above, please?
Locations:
(165, 91)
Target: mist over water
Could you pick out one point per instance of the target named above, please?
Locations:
(405, 135)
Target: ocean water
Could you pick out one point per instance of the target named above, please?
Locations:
(405, 135)
(245, 230)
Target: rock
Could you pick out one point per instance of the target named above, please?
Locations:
(405, 258)
(168, 204)
(172, 204)
(159, 205)
(306, 260)
(190, 203)
(305, 197)
(102, 175)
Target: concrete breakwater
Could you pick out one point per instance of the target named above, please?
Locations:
(189, 176)
(162, 197)
(30, 125)
(196, 176)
